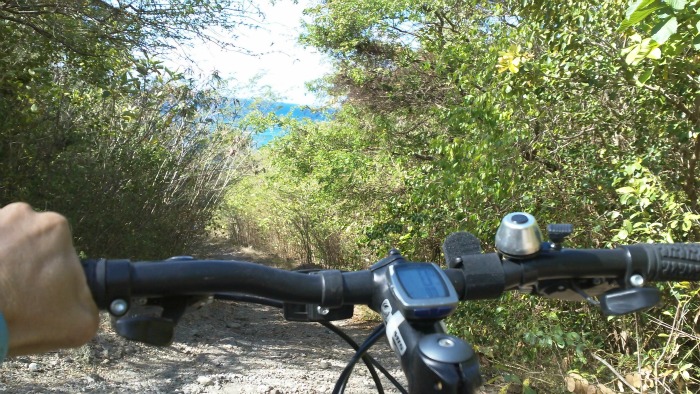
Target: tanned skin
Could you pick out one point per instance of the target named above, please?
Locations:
(43, 292)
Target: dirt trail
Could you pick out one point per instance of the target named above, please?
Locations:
(224, 347)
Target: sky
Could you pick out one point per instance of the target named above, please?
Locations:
(281, 64)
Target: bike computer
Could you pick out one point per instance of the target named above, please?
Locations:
(422, 290)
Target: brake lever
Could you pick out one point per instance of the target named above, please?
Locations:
(154, 322)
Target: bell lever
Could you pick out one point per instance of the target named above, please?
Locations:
(557, 234)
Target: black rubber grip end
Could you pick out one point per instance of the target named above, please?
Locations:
(669, 262)
(95, 281)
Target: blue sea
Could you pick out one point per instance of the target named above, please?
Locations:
(286, 109)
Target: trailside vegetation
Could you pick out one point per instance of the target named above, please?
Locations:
(94, 126)
(450, 114)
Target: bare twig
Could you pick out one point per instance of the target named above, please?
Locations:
(681, 334)
(614, 371)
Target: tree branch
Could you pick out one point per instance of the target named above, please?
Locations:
(614, 371)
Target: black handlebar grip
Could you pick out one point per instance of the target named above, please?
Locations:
(667, 262)
(96, 288)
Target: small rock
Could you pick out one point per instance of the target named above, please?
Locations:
(324, 364)
(233, 325)
(95, 377)
(264, 389)
(33, 367)
(205, 380)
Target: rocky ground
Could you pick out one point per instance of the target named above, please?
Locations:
(224, 347)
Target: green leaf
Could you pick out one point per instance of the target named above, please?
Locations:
(643, 77)
(511, 378)
(622, 234)
(664, 29)
(687, 224)
(676, 4)
(654, 54)
(632, 56)
(632, 8)
(625, 190)
(529, 390)
(638, 11)
(34, 108)
(647, 48)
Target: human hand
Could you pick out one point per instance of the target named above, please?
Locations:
(43, 291)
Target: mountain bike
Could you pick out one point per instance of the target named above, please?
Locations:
(147, 298)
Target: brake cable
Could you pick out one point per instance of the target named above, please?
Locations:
(368, 343)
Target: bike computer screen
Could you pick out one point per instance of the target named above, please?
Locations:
(422, 290)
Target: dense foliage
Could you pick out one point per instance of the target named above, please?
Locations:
(135, 155)
(453, 113)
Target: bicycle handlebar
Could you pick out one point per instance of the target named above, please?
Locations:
(481, 275)
(476, 276)
(112, 279)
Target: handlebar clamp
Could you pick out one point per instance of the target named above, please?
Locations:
(116, 278)
(332, 288)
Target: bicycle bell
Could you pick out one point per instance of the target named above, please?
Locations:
(518, 236)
